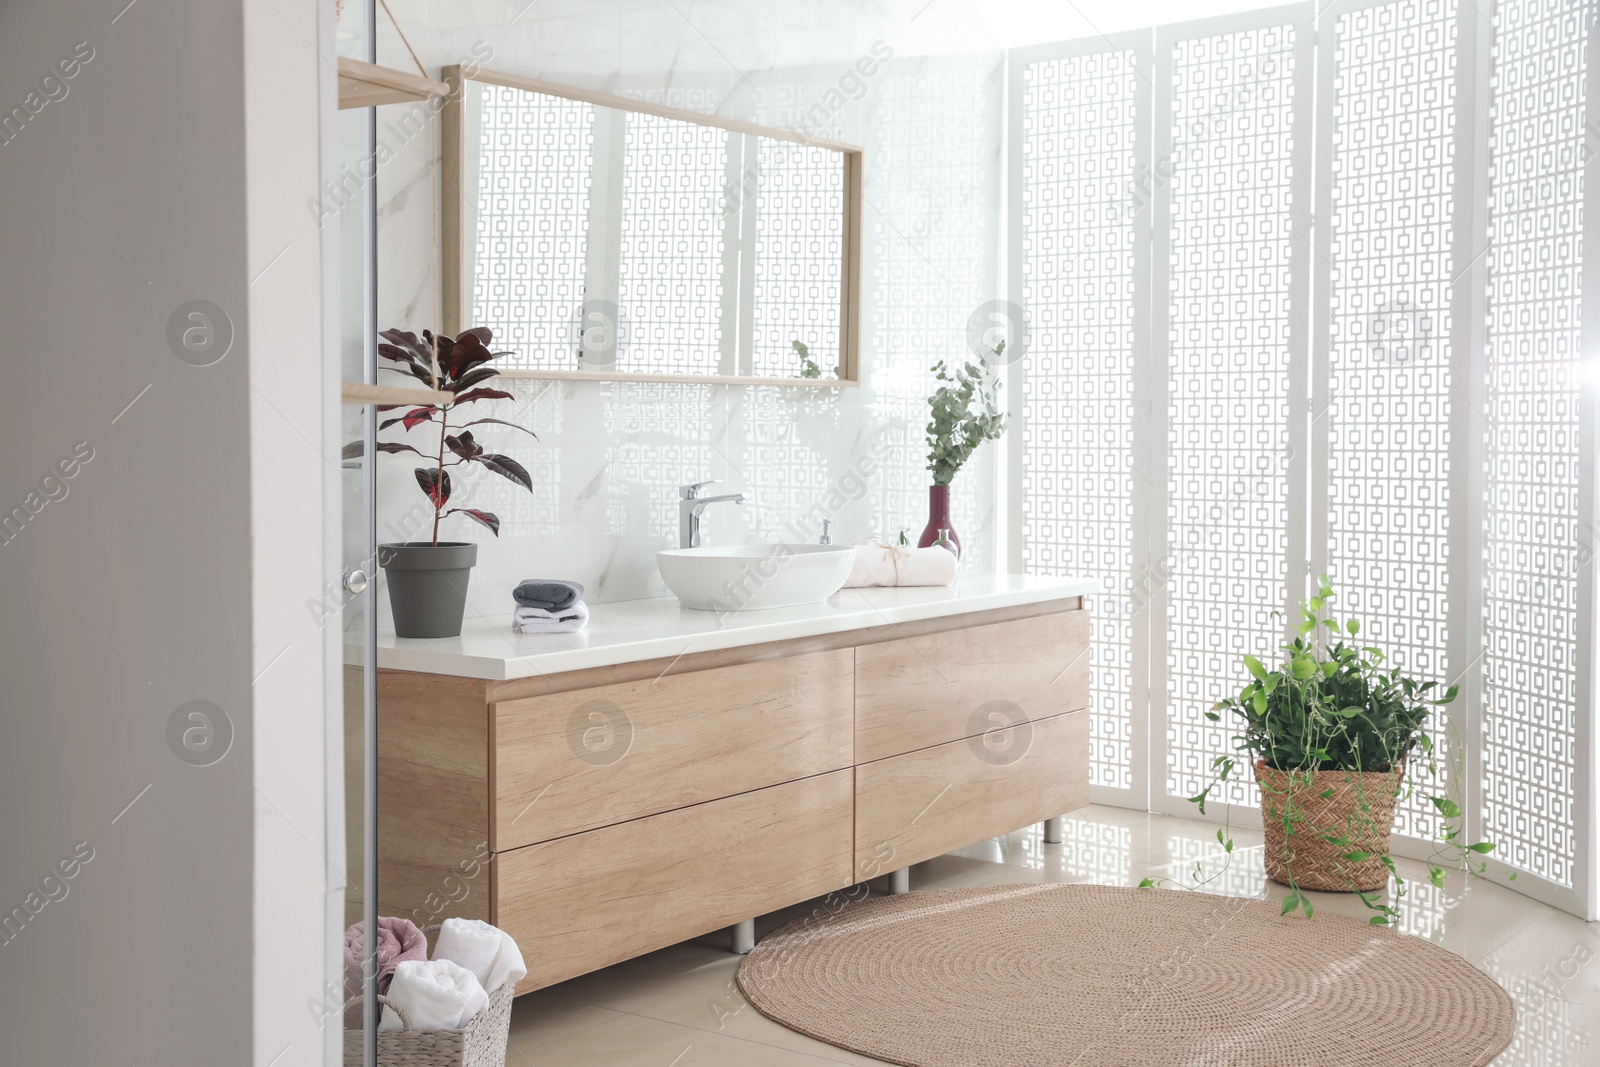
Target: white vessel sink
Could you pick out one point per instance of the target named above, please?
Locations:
(748, 577)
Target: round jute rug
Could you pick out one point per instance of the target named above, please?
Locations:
(1100, 976)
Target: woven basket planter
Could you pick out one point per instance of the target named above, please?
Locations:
(481, 1043)
(1359, 807)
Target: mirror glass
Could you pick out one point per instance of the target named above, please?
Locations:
(622, 242)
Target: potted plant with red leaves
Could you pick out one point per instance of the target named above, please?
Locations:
(428, 579)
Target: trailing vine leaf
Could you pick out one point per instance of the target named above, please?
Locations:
(1331, 704)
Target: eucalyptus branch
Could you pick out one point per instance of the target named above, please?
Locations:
(964, 412)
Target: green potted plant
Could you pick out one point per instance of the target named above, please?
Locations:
(809, 368)
(964, 412)
(428, 579)
(1332, 735)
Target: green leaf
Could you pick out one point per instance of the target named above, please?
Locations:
(1436, 876)
(1259, 702)
(1482, 847)
(1378, 920)
(1353, 627)
(1447, 807)
(1289, 904)
(1302, 667)
(1147, 883)
(1255, 667)
(1356, 857)
(1213, 716)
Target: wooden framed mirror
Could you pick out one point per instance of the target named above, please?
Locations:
(611, 239)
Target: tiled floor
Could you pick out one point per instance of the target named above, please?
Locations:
(680, 1007)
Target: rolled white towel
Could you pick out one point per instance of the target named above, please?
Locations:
(487, 951)
(436, 995)
(568, 620)
(877, 563)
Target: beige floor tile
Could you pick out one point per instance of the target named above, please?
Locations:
(680, 1007)
(550, 1015)
(635, 1041)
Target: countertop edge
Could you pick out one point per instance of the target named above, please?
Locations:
(562, 661)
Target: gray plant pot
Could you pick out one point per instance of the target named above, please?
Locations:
(428, 585)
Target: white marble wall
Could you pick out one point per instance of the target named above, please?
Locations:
(610, 456)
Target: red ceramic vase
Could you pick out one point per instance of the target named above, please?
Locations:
(939, 519)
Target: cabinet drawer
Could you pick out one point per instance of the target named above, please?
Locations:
(594, 899)
(580, 760)
(913, 807)
(922, 691)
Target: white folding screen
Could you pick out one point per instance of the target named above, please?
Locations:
(1230, 233)
(1080, 164)
(1539, 639)
(1331, 322)
(1390, 502)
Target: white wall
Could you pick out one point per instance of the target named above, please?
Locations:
(610, 456)
(165, 570)
(295, 484)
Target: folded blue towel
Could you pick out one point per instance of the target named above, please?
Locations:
(551, 594)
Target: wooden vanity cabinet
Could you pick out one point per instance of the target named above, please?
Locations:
(600, 814)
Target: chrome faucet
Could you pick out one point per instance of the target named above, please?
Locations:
(691, 505)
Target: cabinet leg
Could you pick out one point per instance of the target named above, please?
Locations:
(1052, 830)
(900, 881)
(744, 937)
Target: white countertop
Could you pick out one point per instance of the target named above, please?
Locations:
(633, 630)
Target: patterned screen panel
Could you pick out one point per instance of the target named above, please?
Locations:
(1535, 540)
(1390, 272)
(929, 245)
(799, 257)
(534, 163)
(1228, 436)
(1079, 124)
(674, 204)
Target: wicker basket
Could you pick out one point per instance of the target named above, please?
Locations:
(481, 1043)
(1359, 807)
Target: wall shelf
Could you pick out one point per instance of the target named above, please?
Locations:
(367, 85)
(682, 379)
(360, 393)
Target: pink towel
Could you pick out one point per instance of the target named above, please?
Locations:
(398, 940)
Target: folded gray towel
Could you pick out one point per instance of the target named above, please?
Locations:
(551, 594)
